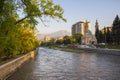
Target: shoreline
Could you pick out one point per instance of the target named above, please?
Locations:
(90, 50)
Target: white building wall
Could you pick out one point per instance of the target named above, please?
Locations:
(82, 29)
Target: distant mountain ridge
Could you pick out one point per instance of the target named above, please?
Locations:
(59, 34)
(56, 34)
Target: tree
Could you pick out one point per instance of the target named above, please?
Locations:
(32, 9)
(19, 40)
(116, 30)
(8, 39)
(105, 36)
(59, 42)
(16, 31)
(26, 38)
(101, 37)
(97, 35)
(66, 40)
(72, 39)
(78, 37)
(108, 36)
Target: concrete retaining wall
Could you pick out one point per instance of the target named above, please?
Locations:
(11, 66)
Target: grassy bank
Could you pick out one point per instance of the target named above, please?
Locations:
(77, 50)
(109, 46)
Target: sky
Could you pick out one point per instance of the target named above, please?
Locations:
(80, 10)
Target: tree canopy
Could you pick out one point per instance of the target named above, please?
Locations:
(30, 10)
(110, 35)
(116, 30)
(17, 23)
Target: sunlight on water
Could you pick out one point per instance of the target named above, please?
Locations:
(52, 64)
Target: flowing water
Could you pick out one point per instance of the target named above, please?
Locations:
(52, 64)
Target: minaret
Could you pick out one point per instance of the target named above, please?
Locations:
(97, 32)
(96, 25)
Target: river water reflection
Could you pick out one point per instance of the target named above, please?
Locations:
(52, 64)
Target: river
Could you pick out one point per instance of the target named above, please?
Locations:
(52, 64)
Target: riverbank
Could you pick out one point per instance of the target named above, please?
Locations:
(109, 46)
(91, 50)
(76, 50)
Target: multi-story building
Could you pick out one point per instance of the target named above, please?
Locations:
(83, 27)
(106, 29)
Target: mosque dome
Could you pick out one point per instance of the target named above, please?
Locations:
(89, 32)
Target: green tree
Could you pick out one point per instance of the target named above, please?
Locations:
(8, 39)
(59, 42)
(53, 40)
(101, 37)
(97, 35)
(116, 30)
(27, 38)
(32, 10)
(16, 31)
(78, 37)
(72, 39)
(17, 41)
(66, 40)
(108, 36)
(105, 37)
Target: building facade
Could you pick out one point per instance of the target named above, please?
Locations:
(105, 29)
(47, 38)
(83, 27)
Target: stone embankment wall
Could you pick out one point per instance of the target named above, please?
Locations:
(9, 67)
